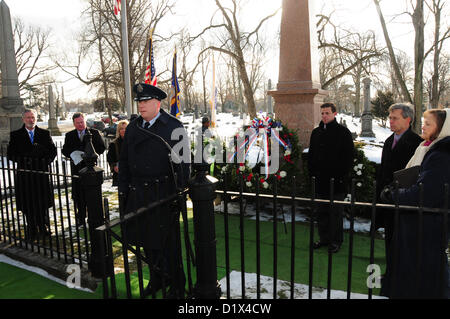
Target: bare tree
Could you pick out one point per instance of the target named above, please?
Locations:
(31, 48)
(103, 29)
(235, 44)
(436, 8)
(345, 52)
(420, 55)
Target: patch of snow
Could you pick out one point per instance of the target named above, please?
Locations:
(283, 289)
(38, 271)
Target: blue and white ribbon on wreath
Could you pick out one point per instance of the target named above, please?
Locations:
(266, 127)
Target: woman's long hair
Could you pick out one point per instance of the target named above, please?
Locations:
(120, 124)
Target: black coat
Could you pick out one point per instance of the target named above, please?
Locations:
(73, 143)
(143, 161)
(113, 157)
(330, 155)
(33, 191)
(434, 174)
(393, 160)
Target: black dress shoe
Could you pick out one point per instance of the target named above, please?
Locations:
(333, 248)
(319, 244)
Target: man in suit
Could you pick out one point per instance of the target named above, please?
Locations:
(73, 148)
(397, 151)
(150, 171)
(32, 148)
(330, 155)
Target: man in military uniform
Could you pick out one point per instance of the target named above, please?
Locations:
(149, 171)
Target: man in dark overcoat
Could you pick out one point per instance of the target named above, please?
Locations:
(397, 151)
(149, 171)
(74, 146)
(32, 148)
(330, 155)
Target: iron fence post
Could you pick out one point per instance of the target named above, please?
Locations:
(202, 193)
(91, 180)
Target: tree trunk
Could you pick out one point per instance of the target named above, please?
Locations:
(418, 22)
(434, 99)
(397, 73)
(358, 91)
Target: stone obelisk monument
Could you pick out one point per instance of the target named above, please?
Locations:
(298, 95)
(63, 111)
(11, 105)
(52, 121)
(367, 117)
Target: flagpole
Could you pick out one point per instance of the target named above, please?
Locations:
(126, 59)
(213, 95)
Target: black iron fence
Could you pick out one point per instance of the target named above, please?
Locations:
(214, 244)
(223, 243)
(38, 212)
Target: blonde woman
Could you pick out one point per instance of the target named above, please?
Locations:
(114, 148)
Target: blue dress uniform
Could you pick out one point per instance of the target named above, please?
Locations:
(147, 173)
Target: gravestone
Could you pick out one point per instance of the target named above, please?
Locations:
(52, 121)
(367, 117)
(63, 112)
(298, 94)
(11, 105)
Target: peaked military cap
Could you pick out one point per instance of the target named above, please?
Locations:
(145, 91)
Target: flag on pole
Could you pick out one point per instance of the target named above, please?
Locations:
(117, 7)
(213, 101)
(150, 73)
(175, 101)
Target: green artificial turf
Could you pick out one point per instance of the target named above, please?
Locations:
(340, 261)
(17, 283)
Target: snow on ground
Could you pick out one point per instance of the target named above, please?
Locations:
(227, 126)
(36, 270)
(374, 145)
(283, 289)
(361, 225)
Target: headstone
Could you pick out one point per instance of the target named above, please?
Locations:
(298, 95)
(52, 121)
(39, 116)
(63, 112)
(367, 117)
(11, 104)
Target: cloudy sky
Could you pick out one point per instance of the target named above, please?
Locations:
(63, 17)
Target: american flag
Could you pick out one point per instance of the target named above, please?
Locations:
(150, 73)
(117, 7)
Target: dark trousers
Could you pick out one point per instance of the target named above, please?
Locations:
(37, 221)
(166, 268)
(166, 265)
(330, 221)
